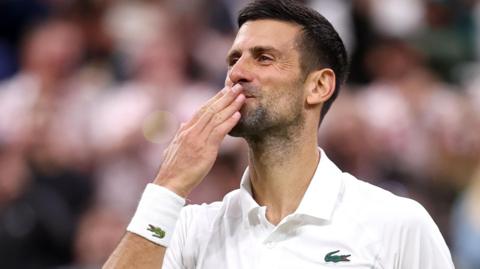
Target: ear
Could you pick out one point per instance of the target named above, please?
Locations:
(320, 86)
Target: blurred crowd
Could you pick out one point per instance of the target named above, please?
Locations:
(91, 92)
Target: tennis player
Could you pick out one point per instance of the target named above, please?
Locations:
(294, 207)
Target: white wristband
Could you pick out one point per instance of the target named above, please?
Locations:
(156, 214)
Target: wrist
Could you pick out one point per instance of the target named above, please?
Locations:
(156, 215)
(170, 184)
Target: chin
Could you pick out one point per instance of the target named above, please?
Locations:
(242, 128)
(247, 127)
(251, 123)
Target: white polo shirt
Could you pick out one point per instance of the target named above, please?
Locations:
(341, 222)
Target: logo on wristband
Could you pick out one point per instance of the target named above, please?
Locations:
(156, 231)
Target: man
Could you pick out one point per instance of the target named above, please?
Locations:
(295, 208)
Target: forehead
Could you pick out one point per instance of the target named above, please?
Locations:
(274, 33)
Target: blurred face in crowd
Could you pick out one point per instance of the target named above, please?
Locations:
(265, 60)
(53, 48)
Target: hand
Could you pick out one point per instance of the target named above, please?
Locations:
(193, 151)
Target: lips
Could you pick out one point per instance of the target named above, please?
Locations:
(249, 90)
(248, 94)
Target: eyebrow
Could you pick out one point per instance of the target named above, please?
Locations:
(260, 49)
(255, 51)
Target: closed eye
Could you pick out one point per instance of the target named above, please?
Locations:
(264, 58)
(232, 61)
(233, 57)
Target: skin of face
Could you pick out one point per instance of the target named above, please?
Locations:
(265, 60)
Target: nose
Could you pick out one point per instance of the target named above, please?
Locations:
(241, 71)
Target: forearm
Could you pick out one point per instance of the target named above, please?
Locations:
(134, 251)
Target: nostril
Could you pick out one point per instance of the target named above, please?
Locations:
(240, 80)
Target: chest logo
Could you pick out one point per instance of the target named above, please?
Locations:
(331, 257)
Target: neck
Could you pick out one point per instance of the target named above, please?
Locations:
(281, 169)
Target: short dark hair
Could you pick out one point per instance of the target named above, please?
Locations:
(320, 45)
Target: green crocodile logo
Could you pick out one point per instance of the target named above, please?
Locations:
(157, 231)
(331, 257)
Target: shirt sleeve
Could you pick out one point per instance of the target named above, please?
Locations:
(173, 256)
(189, 238)
(421, 243)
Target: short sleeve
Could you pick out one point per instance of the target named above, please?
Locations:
(421, 243)
(173, 256)
(191, 233)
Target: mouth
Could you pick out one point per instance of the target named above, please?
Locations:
(249, 94)
(249, 91)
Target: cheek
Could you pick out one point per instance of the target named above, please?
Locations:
(287, 93)
(282, 94)
(281, 103)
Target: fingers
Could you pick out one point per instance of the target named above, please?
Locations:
(202, 110)
(191, 154)
(220, 117)
(219, 132)
(226, 100)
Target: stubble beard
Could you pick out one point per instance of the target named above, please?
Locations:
(251, 123)
(260, 124)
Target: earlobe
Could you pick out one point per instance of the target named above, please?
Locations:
(320, 85)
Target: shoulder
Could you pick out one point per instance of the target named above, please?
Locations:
(386, 216)
(403, 228)
(382, 206)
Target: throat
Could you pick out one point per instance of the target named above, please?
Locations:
(275, 148)
(280, 177)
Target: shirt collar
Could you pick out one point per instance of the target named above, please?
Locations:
(318, 201)
(246, 198)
